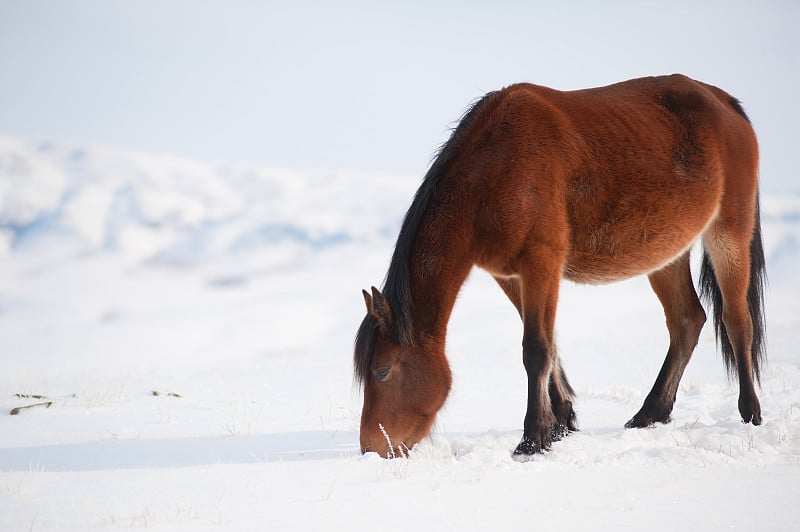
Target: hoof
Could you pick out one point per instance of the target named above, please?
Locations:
(637, 422)
(526, 449)
(560, 431)
(529, 447)
(649, 416)
(565, 417)
(750, 409)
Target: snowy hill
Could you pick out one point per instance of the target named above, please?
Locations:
(181, 211)
(190, 324)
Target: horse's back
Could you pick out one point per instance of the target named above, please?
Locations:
(625, 176)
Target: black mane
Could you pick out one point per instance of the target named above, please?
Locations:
(737, 106)
(397, 285)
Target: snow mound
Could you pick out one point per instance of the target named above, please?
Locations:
(89, 200)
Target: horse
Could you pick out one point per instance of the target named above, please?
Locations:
(593, 186)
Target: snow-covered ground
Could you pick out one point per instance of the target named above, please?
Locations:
(191, 325)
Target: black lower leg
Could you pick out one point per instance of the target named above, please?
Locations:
(540, 422)
(657, 407)
(561, 395)
(749, 406)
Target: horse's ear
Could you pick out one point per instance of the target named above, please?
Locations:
(379, 308)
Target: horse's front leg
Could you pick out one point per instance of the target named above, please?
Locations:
(539, 298)
(541, 425)
(561, 396)
(561, 393)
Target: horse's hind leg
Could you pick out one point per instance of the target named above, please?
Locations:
(728, 248)
(685, 318)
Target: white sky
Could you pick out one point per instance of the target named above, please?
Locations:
(347, 84)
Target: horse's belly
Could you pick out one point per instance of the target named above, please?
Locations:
(601, 269)
(605, 254)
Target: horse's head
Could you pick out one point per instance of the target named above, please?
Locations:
(404, 385)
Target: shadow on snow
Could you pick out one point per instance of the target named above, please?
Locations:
(181, 452)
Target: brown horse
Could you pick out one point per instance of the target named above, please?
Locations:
(594, 186)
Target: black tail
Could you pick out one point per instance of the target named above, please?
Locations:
(710, 292)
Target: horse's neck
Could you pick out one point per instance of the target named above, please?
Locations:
(440, 263)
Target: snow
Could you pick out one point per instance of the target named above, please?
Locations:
(192, 324)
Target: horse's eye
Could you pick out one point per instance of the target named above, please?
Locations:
(381, 373)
